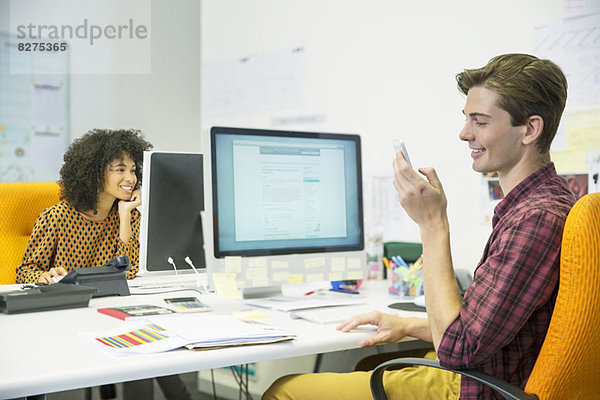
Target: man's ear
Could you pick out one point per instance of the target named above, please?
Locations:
(535, 126)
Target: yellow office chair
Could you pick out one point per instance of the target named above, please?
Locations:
(20, 205)
(567, 365)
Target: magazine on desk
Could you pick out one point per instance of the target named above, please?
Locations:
(167, 332)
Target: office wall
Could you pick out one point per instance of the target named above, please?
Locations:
(384, 69)
(164, 104)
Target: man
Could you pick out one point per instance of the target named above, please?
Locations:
(512, 111)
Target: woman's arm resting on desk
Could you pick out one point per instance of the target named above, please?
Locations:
(390, 328)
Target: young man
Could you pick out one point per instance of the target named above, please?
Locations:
(512, 111)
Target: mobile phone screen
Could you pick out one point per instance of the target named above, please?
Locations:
(400, 147)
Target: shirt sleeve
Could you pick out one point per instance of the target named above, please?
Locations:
(518, 276)
(132, 249)
(41, 249)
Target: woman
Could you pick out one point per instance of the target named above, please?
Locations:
(95, 221)
(97, 218)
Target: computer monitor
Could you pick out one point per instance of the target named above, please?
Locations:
(172, 201)
(289, 203)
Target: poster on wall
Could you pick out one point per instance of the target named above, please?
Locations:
(34, 108)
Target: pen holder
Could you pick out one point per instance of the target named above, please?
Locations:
(405, 281)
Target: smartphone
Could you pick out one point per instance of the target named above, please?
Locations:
(187, 304)
(400, 147)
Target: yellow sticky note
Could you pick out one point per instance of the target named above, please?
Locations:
(315, 277)
(225, 285)
(336, 276)
(280, 276)
(314, 262)
(569, 161)
(294, 278)
(354, 263)
(258, 262)
(280, 265)
(256, 273)
(233, 264)
(355, 275)
(338, 264)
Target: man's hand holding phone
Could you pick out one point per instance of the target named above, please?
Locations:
(401, 148)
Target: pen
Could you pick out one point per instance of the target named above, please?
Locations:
(386, 262)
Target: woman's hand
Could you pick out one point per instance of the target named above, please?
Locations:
(390, 328)
(46, 277)
(125, 206)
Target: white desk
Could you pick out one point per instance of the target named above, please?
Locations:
(42, 352)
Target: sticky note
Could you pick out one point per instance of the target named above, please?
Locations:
(280, 276)
(315, 277)
(257, 262)
(336, 276)
(233, 264)
(338, 264)
(355, 275)
(354, 263)
(314, 262)
(225, 285)
(256, 273)
(295, 278)
(280, 265)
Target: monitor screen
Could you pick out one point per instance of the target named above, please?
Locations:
(280, 192)
(172, 199)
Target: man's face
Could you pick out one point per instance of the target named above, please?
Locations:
(495, 144)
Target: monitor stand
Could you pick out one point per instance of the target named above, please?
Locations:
(261, 291)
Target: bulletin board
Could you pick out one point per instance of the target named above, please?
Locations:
(34, 112)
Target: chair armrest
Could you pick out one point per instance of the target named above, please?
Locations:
(507, 390)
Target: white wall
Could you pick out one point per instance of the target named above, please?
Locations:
(164, 104)
(381, 68)
(385, 69)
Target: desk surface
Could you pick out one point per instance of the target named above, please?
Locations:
(43, 353)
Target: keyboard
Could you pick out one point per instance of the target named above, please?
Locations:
(332, 315)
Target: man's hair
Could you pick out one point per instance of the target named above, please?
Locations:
(526, 86)
(82, 174)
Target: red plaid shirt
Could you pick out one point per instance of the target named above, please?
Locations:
(506, 311)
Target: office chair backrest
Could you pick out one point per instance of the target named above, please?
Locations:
(567, 366)
(20, 205)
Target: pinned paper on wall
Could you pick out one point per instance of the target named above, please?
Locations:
(260, 82)
(573, 44)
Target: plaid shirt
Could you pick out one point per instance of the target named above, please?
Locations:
(506, 311)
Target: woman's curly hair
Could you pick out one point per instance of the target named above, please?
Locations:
(82, 174)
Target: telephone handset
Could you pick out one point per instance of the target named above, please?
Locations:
(109, 279)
